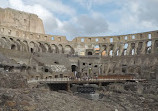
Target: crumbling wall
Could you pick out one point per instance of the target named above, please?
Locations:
(21, 20)
(122, 54)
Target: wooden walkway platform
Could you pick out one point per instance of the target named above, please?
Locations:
(80, 81)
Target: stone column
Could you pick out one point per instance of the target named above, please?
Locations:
(153, 46)
(136, 48)
(144, 48)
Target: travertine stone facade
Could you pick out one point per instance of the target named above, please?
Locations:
(135, 54)
(21, 20)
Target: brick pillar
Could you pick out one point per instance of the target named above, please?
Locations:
(68, 87)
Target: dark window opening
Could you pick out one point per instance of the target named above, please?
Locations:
(95, 66)
(57, 87)
(89, 53)
(46, 70)
(124, 68)
(84, 63)
(90, 64)
(37, 77)
(56, 76)
(13, 46)
(56, 62)
(50, 77)
(11, 69)
(61, 75)
(31, 50)
(74, 68)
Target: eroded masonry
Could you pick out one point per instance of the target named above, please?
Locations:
(26, 48)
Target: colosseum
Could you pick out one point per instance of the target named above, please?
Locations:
(119, 72)
(27, 49)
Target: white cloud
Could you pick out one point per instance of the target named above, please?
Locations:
(55, 6)
(136, 16)
(82, 25)
(85, 25)
(148, 11)
(4, 3)
(133, 16)
(90, 3)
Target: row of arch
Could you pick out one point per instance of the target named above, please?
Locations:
(130, 49)
(123, 66)
(31, 46)
(131, 65)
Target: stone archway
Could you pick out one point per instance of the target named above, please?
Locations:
(33, 47)
(54, 48)
(60, 47)
(68, 50)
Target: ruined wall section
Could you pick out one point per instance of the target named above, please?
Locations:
(21, 20)
(133, 53)
(22, 26)
(131, 44)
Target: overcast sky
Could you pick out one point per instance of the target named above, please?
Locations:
(74, 18)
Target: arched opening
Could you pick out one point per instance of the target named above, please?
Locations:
(42, 47)
(148, 50)
(149, 44)
(89, 53)
(13, 47)
(31, 50)
(111, 49)
(125, 52)
(54, 48)
(32, 46)
(126, 46)
(60, 47)
(74, 68)
(15, 42)
(124, 68)
(46, 70)
(69, 50)
(133, 51)
(61, 75)
(47, 47)
(111, 52)
(104, 52)
(97, 49)
(25, 44)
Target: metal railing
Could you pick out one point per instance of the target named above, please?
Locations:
(76, 80)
